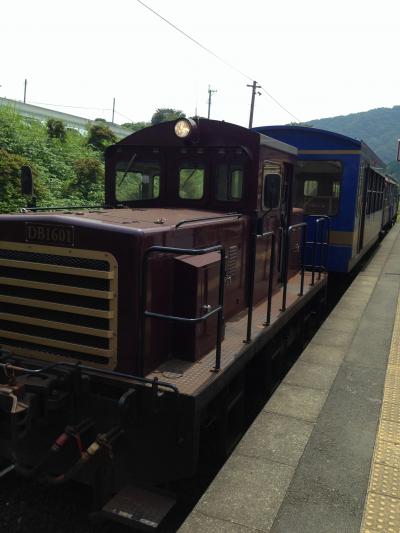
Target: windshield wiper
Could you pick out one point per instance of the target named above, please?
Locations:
(132, 159)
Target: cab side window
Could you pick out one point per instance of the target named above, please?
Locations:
(271, 185)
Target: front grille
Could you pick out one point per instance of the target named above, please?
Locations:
(58, 303)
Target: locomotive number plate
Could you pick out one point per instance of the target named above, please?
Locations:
(50, 234)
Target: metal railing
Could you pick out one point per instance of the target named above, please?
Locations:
(65, 208)
(205, 219)
(287, 233)
(219, 310)
(319, 244)
(271, 235)
(10, 367)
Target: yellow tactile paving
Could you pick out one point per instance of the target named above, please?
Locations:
(381, 514)
(385, 480)
(382, 505)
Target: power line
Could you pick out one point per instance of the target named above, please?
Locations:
(279, 104)
(72, 106)
(209, 51)
(82, 107)
(124, 116)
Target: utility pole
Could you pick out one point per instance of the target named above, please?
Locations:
(210, 93)
(113, 111)
(25, 84)
(254, 86)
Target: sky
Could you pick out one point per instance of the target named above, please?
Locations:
(317, 58)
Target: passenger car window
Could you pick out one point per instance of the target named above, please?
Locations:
(191, 182)
(310, 188)
(137, 180)
(317, 187)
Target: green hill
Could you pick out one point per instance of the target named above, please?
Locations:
(379, 128)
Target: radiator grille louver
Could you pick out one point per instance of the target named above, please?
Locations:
(58, 303)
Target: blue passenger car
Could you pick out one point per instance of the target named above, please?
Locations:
(340, 178)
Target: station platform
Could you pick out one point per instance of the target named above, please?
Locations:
(323, 456)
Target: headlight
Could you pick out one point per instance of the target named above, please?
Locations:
(184, 127)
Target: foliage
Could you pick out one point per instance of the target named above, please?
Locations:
(89, 179)
(136, 126)
(10, 181)
(304, 124)
(100, 136)
(393, 169)
(379, 128)
(24, 142)
(56, 129)
(165, 113)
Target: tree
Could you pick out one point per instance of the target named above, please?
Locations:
(164, 114)
(89, 174)
(135, 126)
(56, 129)
(100, 136)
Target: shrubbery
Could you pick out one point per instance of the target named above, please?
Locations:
(67, 169)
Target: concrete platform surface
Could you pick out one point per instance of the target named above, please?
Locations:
(304, 465)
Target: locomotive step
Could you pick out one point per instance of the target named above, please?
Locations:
(138, 507)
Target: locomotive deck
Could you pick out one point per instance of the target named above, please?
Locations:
(305, 464)
(192, 377)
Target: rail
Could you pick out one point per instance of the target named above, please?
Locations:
(204, 219)
(66, 208)
(219, 310)
(302, 225)
(271, 235)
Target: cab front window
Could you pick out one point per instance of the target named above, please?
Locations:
(137, 179)
(229, 182)
(191, 181)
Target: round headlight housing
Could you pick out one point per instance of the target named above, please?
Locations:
(184, 127)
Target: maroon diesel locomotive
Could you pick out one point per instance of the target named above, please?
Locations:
(129, 331)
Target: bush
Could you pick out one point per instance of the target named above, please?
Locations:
(56, 129)
(53, 163)
(89, 179)
(11, 198)
(100, 136)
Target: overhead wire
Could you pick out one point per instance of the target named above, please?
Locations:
(209, 51)
(195, 41)
(73, 106)
(83, 107)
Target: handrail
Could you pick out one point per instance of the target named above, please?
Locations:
(9, 366)
(67, 208)
(204, 219)
(302, 225)
(252, 276)
(325, 244)
(145, 313)
(318, 232)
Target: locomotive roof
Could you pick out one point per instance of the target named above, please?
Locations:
(210, 133)
(139, 218)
